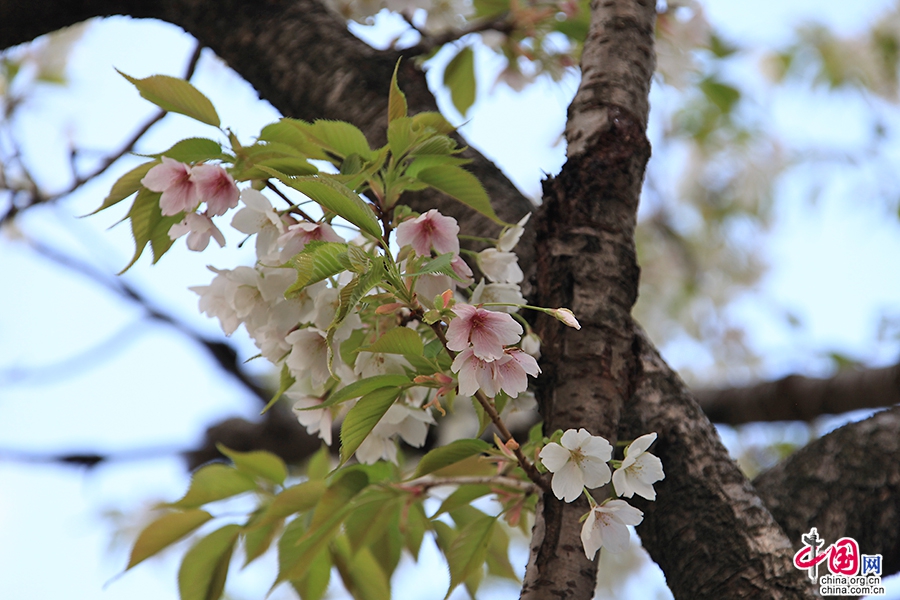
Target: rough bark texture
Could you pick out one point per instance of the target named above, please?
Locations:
(797, 398)
(588, 263)
(708, 530)
(846, 483)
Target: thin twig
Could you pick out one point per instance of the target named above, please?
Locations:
(500, 23)
(508, 482)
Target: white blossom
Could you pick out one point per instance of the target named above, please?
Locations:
(259, 217)
(507, 293)
(578, 461)
(606, 527)
(511, 236)
(499, 266)
(315, 420)
(639, 470)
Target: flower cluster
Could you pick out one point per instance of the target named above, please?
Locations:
(580, 460)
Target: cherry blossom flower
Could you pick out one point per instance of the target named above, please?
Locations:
(606, 527)
(431, 229)
(408, 422)
(215, 187)
(511, 371)
(309, 355)
(462, 269)
(510, 237)
(499, 266)
(199, 229)
(507, 373)
(508, 293)
(298, 235)
(173, 179)
(578, 461)
(566, 316)
(217, 300)
(316, 421)
(474, 373)
(259, 217)
(531, 343)
(487, 331)
(639, 470)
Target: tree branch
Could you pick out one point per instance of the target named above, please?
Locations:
(798, 398)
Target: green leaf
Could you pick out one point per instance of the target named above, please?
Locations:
(497, 558)
(459, 77)
(144, 216)
(373, 514)
(400, 136)
(314, 584)
(396, 99)
(452, 453)
(363, 387)
(362, 575)
(317, 261)
(319, 465)
(468, 550)
(257, 463)
(165, 531)
(441, 265)
(434, 121)
(293, 133)
(722, 95)
(363, 417)
(258, 538)
(176, 95)
(193, 150)
(399, 340)
(296, 499)
(126, 185)
(215, 482)
(286, 380)
(462, 185)
(205, 566)
(335, 196)
(341, 138)
(462, 496)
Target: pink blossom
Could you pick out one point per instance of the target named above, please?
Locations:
(199, 229)
(298, 235)
(508, 373)
(486, 330)
(173, 179)
(216, 187)
(462, 269)
(431, 229)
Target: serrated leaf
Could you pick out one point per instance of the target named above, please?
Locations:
(462, 185)
(453, 452)
(144, 215)
(433, 120)
(341, 138)
(400, 136)
(315, 583)
(318, 261)
(497, 558)
(361, 388)
(193, 150)
(396, 98)
(413, 528)
(126, 185)
(297, 550)
(165, 531)
(462, 496)
(176, 95)
(362, 575)
(468, 550)
(372, 515)
(319, 465)
(215, 482)
(258, 538)
(459, 77)
(160, 241)
(335, 196)
(205, 566)
(440, 264)
(257, 463)
(400, 340)
(297, 499)
(353, 292)
(293, 132)
(363, 417)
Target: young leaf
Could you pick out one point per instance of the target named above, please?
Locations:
(215, 482)
(413, 528)
(362, 575)
(193, 150)
(452, 453)
(363, 387)
(258, 538)
(459, 77)
(463, 496)
(293, 133)
(319, 465)
(342, 139)
(257, 463)
(144, 215)
(375, 511)
(296, 499)
(462, 185)
(165, 531)
(314, 584)
(335, 196)
(468, 551)
(205, 566)
(317, 261)
(399, 340)
(363, 417)
(434, 121)
(286, 380)
(126, 185)
(176, 95)
(396, 98)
